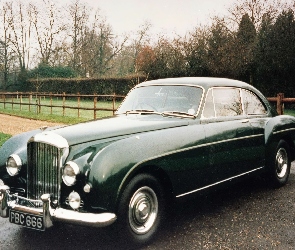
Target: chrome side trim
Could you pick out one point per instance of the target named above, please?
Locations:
(284, 130)
(179, 151)
(233, 139)
(198, 146)
(219, 182)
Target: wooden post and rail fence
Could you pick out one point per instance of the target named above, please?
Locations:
(36, 101)
(16, 99)
(280, 100)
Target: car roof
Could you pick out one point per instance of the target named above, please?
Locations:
(205, 82)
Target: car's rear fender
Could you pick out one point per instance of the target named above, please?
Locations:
(280, 128)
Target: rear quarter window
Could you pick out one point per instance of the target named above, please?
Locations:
(252, 105)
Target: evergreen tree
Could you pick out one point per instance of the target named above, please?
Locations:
(283, 52)
(220, 44)
(263, 56)
(245, 42)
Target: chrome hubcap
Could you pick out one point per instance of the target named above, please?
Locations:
(143, 210)
(281, 162)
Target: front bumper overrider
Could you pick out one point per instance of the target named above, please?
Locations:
(51, 214)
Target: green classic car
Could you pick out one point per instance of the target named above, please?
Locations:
(169, 139)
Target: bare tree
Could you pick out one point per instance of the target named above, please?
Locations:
(20, 28)
(255, 9)
(4, 46)
(79, 18)
(141, 39)
(126, 62)
(48, 27)
(100, 47)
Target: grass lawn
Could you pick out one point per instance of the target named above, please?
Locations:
(289, 112)
(57, 114)
(3, 138)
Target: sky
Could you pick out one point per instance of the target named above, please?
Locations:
(165, 16)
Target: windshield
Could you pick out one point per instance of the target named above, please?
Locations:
(167, 98)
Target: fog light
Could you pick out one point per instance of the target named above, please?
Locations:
(74, 200)
(13, 165)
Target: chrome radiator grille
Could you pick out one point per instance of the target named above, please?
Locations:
(43, 170)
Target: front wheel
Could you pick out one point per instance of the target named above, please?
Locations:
(280, 165)
(141, 209)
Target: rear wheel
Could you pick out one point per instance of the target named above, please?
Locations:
(141, 209)
(280, 165)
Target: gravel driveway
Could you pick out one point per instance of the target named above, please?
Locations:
(13, 125)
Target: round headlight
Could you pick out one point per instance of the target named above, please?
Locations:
(13, 165)
(74, 200)
(70, 172)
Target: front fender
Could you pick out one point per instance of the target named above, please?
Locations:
(115, 164)
(15, 145)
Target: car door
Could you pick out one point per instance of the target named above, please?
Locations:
(229, 134)
(256, 112)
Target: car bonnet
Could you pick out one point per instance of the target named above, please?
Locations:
(116, 126)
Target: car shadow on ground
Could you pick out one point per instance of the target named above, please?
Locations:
(198, 215)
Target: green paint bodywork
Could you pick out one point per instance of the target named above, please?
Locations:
(185, 154)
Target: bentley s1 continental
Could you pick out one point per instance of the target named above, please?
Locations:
(169, 139)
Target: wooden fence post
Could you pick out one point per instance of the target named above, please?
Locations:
(63, 103)
(114, 103)
(12, 101)
(30, 99)
(79, 98)
(36, 106)
(280, 104)
(20, 101)
(50, 102)
(39, 104)
(94, 107)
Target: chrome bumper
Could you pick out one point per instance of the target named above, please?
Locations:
(50, 214)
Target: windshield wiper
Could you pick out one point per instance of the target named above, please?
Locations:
(165, 113)
(142, 111)
(178, 114)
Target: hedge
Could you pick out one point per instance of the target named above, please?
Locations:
(87, 86)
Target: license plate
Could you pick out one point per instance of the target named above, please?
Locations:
(26, 220)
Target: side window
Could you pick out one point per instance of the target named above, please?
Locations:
(252, 104)
(227, 102)
(222, 102)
